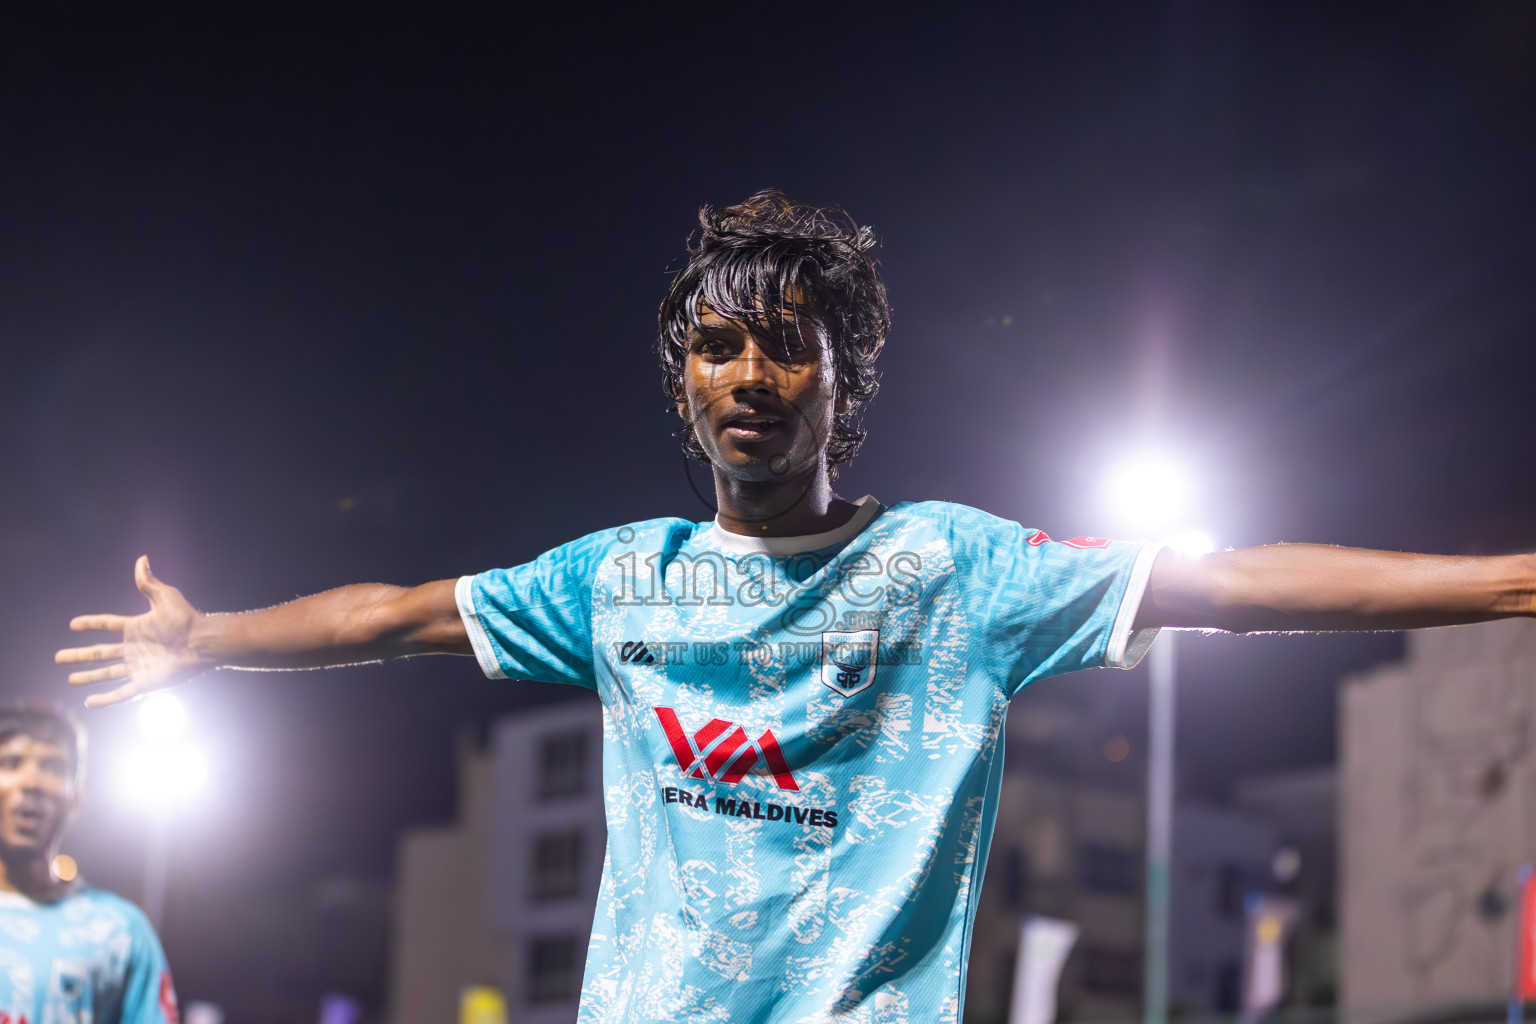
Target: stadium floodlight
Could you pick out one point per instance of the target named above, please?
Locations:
(164, 775)
(1150, 493)
(162, 772)
(162, 717)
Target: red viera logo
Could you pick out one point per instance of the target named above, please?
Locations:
(722, 752)
(1037, 538)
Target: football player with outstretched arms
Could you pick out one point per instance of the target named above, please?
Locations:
(805, 695)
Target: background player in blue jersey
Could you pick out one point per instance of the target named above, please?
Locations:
(68, 953)
(803, 698)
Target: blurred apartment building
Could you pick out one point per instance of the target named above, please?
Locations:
(1438, 815)
(1069, 844)
(504, 896)
(1303, 806)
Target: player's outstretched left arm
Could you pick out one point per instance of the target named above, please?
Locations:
(1313, 587)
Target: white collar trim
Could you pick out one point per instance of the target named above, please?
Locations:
(744, 544)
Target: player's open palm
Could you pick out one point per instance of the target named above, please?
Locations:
(155, 651)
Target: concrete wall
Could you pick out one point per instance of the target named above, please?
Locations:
(1438, 809)
(441, 939)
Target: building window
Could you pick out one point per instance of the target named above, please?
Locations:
(554, 969)
(1111, 971)
(1108, 870)
(1015, 877)
(556, 865)
(562, 764)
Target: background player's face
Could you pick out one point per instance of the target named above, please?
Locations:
(760, 406)
(37, 793)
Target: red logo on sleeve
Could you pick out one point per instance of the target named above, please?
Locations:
(1039, 537)
(168, 999)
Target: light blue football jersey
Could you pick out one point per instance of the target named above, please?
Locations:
(802, 743)
(90, 958)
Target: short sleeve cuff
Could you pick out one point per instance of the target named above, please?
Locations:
(479, 640)
(1128, 647)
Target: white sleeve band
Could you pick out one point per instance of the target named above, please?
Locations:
(479, 642)
(1126, 648)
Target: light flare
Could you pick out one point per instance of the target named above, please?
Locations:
(165, 775)
(162, 717)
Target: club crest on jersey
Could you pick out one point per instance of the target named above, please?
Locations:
(848, 659)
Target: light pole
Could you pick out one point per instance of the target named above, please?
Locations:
(1162, 697)
(157, 868)
(1161, 693)
(162, 772)
(1152, 494)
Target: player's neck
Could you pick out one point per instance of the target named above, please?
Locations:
(29, 875)
(788, 507)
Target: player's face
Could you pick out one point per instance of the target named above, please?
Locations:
(36, 793)
(761, 407)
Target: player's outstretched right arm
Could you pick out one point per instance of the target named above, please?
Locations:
(173, 641)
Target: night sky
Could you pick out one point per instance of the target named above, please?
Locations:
(292, 300)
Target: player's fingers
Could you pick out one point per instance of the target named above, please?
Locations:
(144, 578)
(120, 695)
(98, 675)
(98, 623)
(100, 652)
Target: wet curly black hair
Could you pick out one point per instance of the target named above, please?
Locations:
(753, 261)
